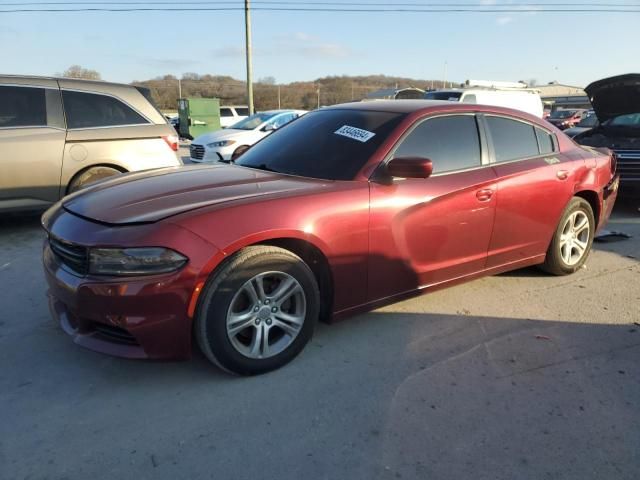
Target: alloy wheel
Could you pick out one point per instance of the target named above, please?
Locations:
(266, 315)
(575, 238)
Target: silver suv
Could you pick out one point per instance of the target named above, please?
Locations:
(57, 135)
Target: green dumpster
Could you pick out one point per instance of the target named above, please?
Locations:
(198, 116)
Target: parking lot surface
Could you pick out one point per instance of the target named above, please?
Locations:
(516, 376)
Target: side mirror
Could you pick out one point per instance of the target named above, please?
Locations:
(410, 167)
(269, 127)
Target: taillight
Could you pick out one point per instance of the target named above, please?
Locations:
(173, 141)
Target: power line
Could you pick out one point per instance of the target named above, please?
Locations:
(326, 9)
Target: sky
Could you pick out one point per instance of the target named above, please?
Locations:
(571, 48)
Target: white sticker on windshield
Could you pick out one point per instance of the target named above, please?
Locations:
(354, 133)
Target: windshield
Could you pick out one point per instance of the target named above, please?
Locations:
(590, 121)
(562, 114)
(628, 120)
(253, 121)
(329, 144)
(452, 96)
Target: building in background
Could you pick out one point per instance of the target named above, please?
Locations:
(556, 95)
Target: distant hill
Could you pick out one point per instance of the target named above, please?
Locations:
(332, 89)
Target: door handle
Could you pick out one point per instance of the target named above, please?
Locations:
(562, 174)
(484, 195)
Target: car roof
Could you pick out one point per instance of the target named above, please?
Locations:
(424, 106)
(79, 81)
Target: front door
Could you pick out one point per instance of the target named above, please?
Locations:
(427, 231)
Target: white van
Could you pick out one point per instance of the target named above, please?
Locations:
(526, 100)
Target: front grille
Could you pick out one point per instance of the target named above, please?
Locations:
(628, 165)
(196, 151)
(114, 334)
(73, 257)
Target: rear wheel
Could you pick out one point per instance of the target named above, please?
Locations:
(90, 175)
(572, 239)
(258, 312)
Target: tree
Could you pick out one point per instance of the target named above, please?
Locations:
(76, 71)
(267, 80)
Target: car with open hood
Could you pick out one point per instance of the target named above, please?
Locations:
(346, 209)
(616, 101)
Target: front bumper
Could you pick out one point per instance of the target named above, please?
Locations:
(213, 155)
(131, 317)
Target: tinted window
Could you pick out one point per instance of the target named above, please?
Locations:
(226, 112)
(512, 139)
(545, 141)
(310, 146)
(243, 112)
(451, 143)
(86, 110)
(22, 107)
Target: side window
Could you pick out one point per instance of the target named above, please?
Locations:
(512, 139)
(545, 141)
(451, 143)
(87, 110)
(242, 111)
(226, 112)
(22, 107)
(471, 98)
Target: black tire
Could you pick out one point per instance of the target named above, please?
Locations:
(210, 328)
(89, 176)
(239, 151)
(554, 263)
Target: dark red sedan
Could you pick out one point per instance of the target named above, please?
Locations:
(345, 209)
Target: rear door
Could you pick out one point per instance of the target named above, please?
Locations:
(427, 231)
(32, 138)
(535, 183)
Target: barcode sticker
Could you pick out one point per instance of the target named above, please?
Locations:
(354, 133)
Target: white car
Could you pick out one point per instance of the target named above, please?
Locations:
(231, 114)
(227, 144)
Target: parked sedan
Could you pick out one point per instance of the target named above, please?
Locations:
(564, 119)
(348, 208)
(587, 123)
(228, 144)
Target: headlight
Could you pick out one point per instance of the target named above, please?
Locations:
(222, 143)
(134, 261)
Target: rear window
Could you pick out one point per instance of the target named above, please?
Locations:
(512, 139)
(89, 110)
(332, 144)
(22, 107)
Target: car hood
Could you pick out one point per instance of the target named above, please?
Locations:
(150, 196)
(615, 96)
(224, 134)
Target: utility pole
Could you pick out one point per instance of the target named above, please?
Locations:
(318, 96)
(279, 107)
(247, 27)
(445, 75)
(179, 88)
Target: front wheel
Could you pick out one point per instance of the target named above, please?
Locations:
(258, 311)
(572, 239)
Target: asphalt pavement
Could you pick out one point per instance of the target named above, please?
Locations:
(516, 376)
